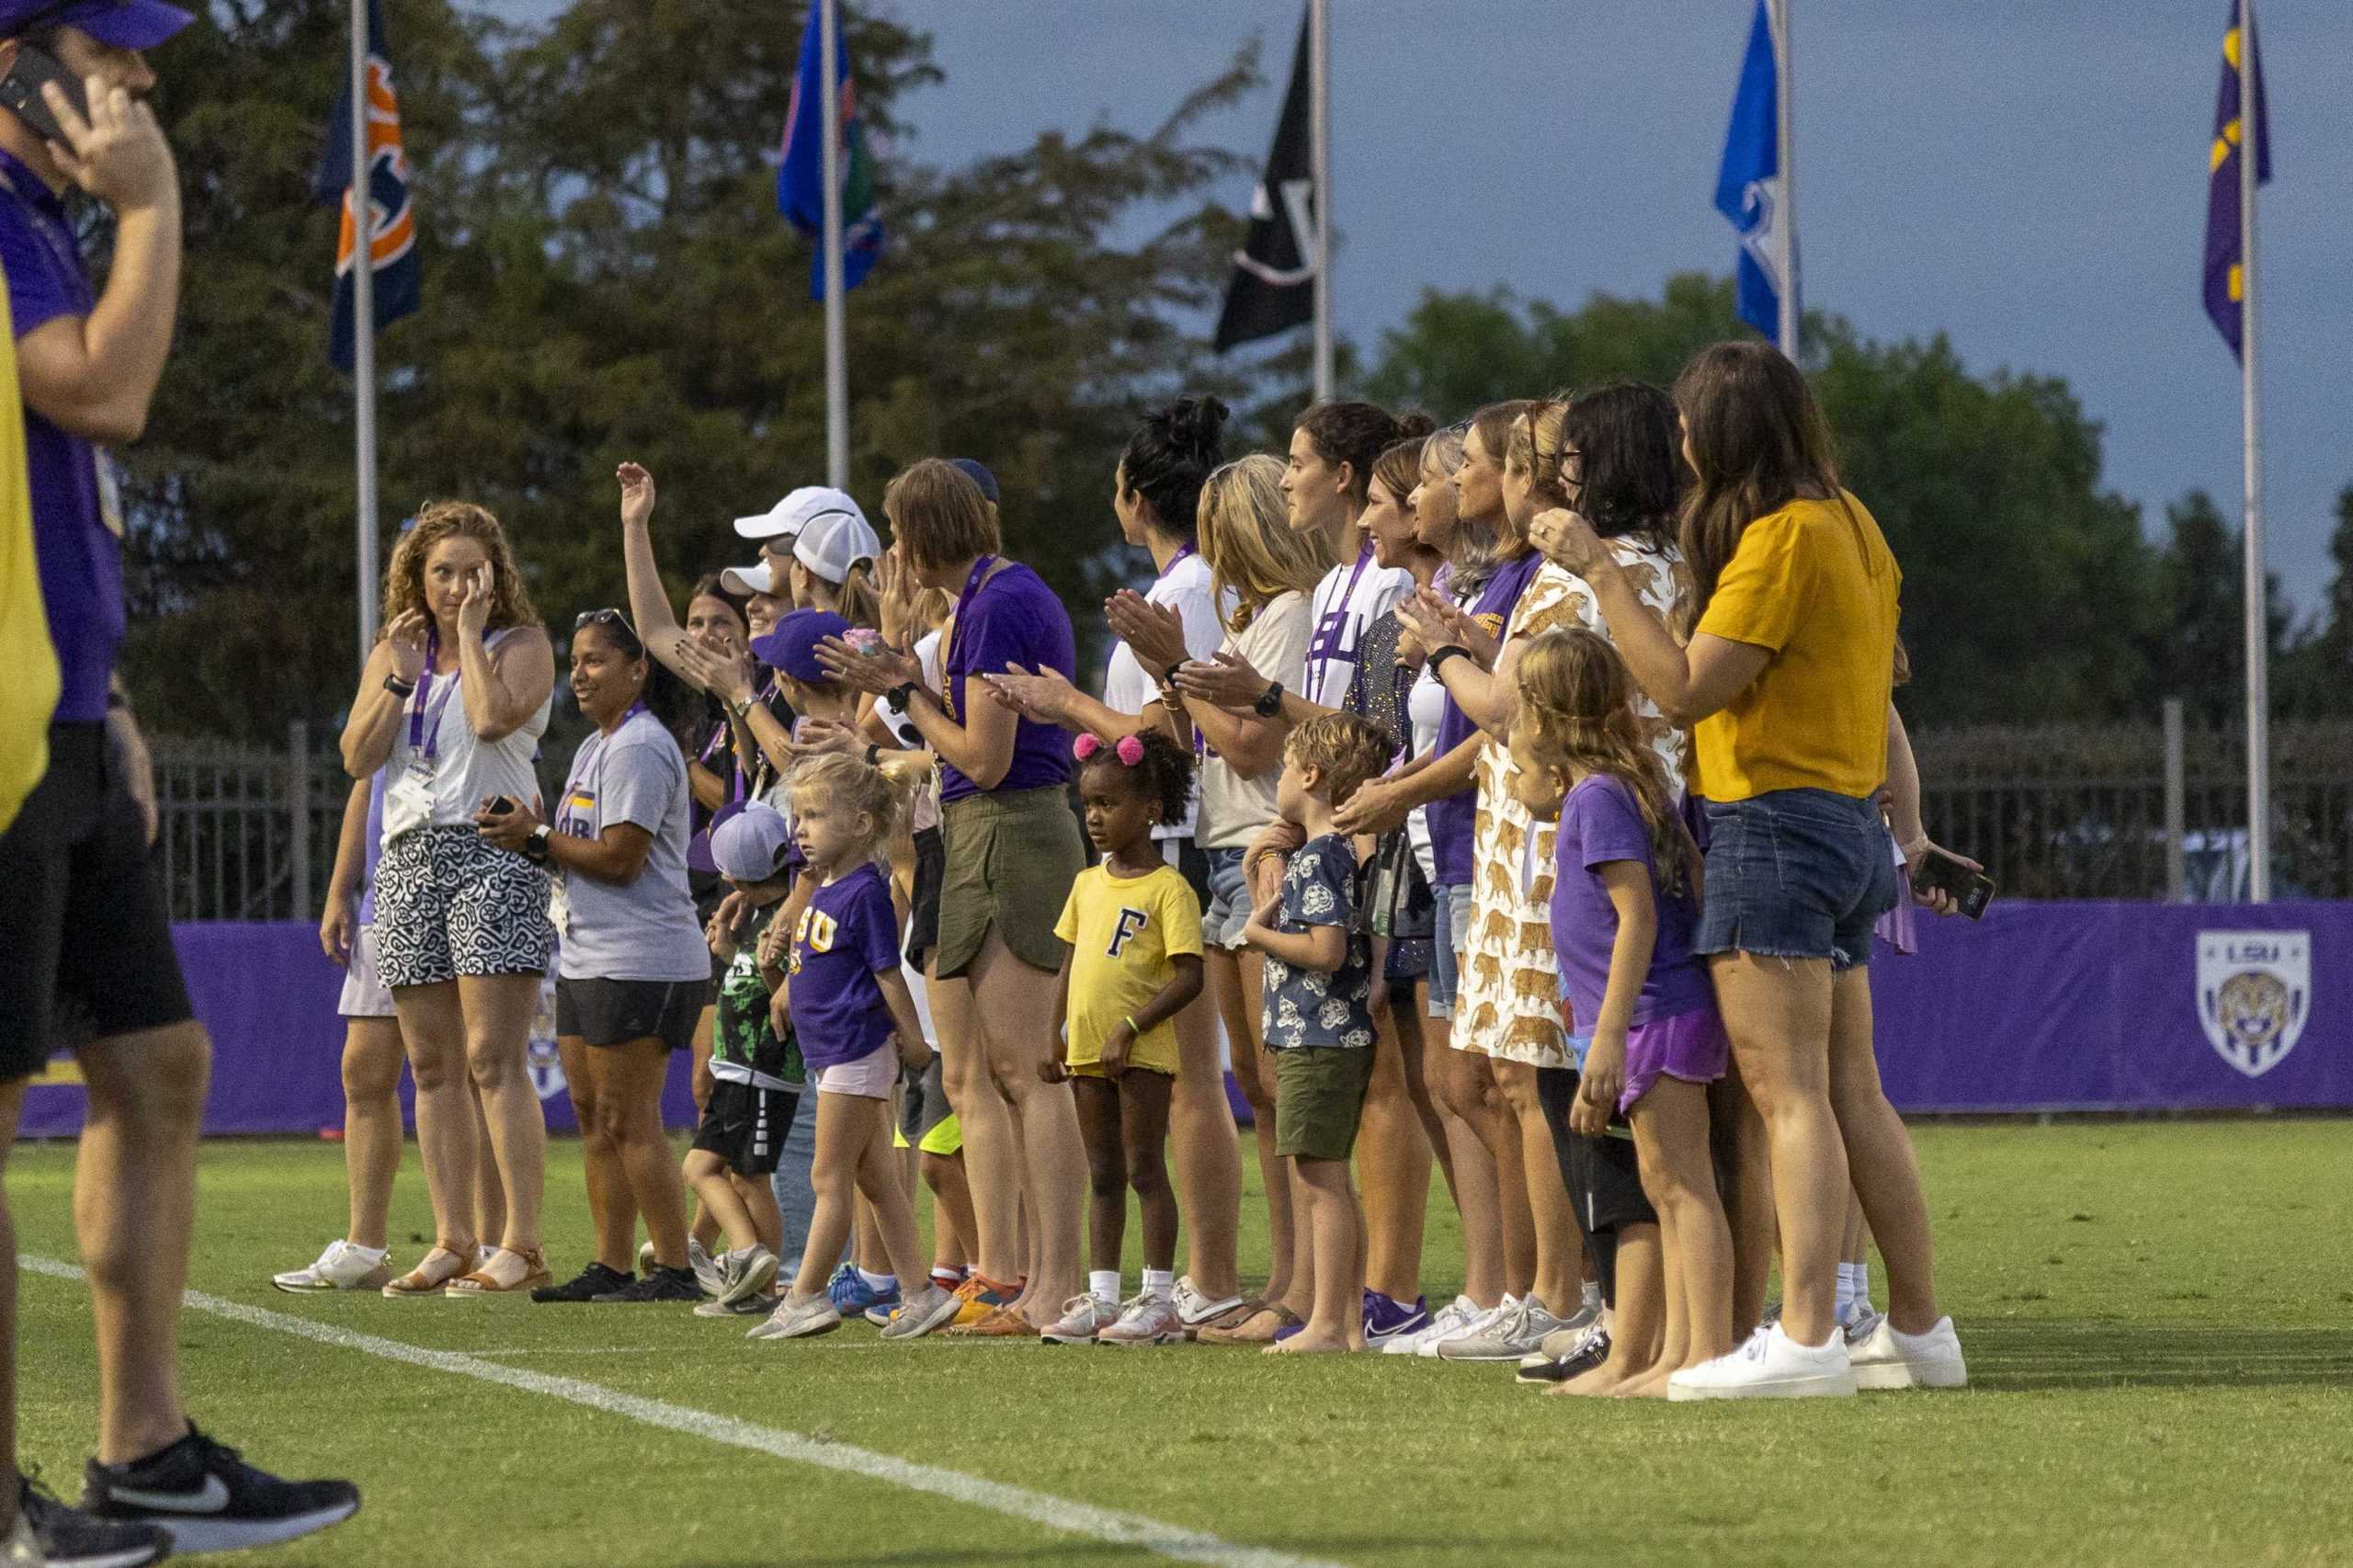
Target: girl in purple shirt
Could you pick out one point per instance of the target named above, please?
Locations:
(1625, 893)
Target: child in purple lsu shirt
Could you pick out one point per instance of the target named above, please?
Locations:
(1625, 895)
(856, 1022)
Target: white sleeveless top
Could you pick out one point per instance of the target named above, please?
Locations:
(466, 770)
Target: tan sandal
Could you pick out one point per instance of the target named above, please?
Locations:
(483, 1282)
(425, 1279)
(1255, 1327)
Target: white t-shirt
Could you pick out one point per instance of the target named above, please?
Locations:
(927, 807)
(1351, 597)
(1424, 705)
(1185, 589)
(465, 770)
(1234, 808)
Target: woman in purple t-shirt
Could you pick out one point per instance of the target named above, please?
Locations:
(1012, 850)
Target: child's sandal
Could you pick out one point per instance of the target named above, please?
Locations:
(425, 1279)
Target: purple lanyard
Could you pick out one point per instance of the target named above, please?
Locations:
(1325, 650)
(1175, 562)
(424, 726)
(568, 822)
(950, 677)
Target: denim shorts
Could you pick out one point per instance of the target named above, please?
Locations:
(1797, 874)
(1451, 917)
(1227, 910)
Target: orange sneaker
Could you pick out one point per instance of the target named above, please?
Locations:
(975, 1300)
(998, 1323)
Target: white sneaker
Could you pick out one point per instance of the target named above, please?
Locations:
(799, 1317)
(1144, 1320)
(1508, 1337)
(1770, 1366)
(737, 1274)
(1085, 1316)
(646, 1260)
(706, 1270)
(920, 1313)
(341, 1268)
(1450, 1319)
(1887, 1357)
(1481, 1320)
(1194, 1308)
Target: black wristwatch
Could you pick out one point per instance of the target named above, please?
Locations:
(398, 687)
(1270, 701)
(902, 696)
(1438, 656)
(535, 848)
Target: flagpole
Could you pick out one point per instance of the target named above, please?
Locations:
(1785, 159)
(2258, 638)
(1319, 99)
(363, 332)
(836, 320)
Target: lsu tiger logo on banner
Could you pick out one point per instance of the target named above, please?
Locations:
(2255, 993)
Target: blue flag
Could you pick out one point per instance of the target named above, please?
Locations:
(1748, 184)
(393, 224)
(2225, 253)
(801, 177)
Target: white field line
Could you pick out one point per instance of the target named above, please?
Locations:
(1054, 1513)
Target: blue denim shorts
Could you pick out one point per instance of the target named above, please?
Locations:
(1227, 910)
(1797, 874)
(1449, 923)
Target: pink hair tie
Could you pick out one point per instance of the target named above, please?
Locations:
(1130, 749)
(1084, 747)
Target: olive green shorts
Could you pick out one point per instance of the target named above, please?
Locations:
(1011, 860)
(1319, 1095)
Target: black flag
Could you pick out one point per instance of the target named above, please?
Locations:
(1274, 273)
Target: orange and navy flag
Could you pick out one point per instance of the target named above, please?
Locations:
(2225, 244)
(394, 223)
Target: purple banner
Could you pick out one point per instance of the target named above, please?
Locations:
(2122, 1006)
(2041, 1007)
(267, 996)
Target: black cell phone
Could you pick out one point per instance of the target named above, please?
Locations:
(501, 805)
(20, 91)
(1971, 890)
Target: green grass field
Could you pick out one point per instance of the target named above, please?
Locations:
(2158, 1318)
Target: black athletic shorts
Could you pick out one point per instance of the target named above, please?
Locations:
(86, 941)
(923, 916)
(614, 1012)
(745, 1125)
(1604, 1180)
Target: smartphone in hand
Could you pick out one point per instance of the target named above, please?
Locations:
(1971, 890)
(20, 91)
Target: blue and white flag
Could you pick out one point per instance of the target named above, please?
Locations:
(1748, 186)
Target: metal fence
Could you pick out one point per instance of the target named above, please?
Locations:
(2063, 811)
(2101, 811)
(247, 833)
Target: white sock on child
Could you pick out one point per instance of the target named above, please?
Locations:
(1846, 1293)
(1160, 1283)
(1592, 1301)
(1103, 1284)
(880, 1284)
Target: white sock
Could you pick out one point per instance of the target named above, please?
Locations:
(1863, 1285)
(1159, 1283)
(1846, 1293)
(881, 1284)
(1593, 1295)
(1103, 1284)
(373, 1254)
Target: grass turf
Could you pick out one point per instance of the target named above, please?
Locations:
(2156, 1318)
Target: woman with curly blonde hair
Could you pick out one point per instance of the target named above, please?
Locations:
(451, 706)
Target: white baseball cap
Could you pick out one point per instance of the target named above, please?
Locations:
(797, 511)
(749, 580)
(833, 542)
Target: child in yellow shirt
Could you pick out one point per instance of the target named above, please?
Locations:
(1135, 929)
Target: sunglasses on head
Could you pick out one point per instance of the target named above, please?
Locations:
(615, 622)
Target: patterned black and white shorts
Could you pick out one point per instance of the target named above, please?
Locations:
(450, 904)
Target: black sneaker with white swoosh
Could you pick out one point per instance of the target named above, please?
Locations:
(71, 1538)
(210, 1500)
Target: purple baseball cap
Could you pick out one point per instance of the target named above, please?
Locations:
(123, 24)
(792, 646)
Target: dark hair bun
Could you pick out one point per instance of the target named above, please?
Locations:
(1196, 426)
(1414, 427)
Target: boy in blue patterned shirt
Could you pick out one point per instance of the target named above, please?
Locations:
(1319, 1015)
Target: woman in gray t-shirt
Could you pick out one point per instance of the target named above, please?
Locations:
(632, 972)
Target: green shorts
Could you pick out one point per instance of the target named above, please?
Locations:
(1319, 1095)
(1011, 860)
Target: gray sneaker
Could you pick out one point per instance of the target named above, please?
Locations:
(1565, 1339)
(708, 1273)
(1518, 1332)
(749, 1307)
(746, 1273)
(800, 1317)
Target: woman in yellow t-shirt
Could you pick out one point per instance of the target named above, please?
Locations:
(1785, 684)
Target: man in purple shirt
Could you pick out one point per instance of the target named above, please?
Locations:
(83, 921)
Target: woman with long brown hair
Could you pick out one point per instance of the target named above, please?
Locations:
(1786, 683)
(452, 705)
